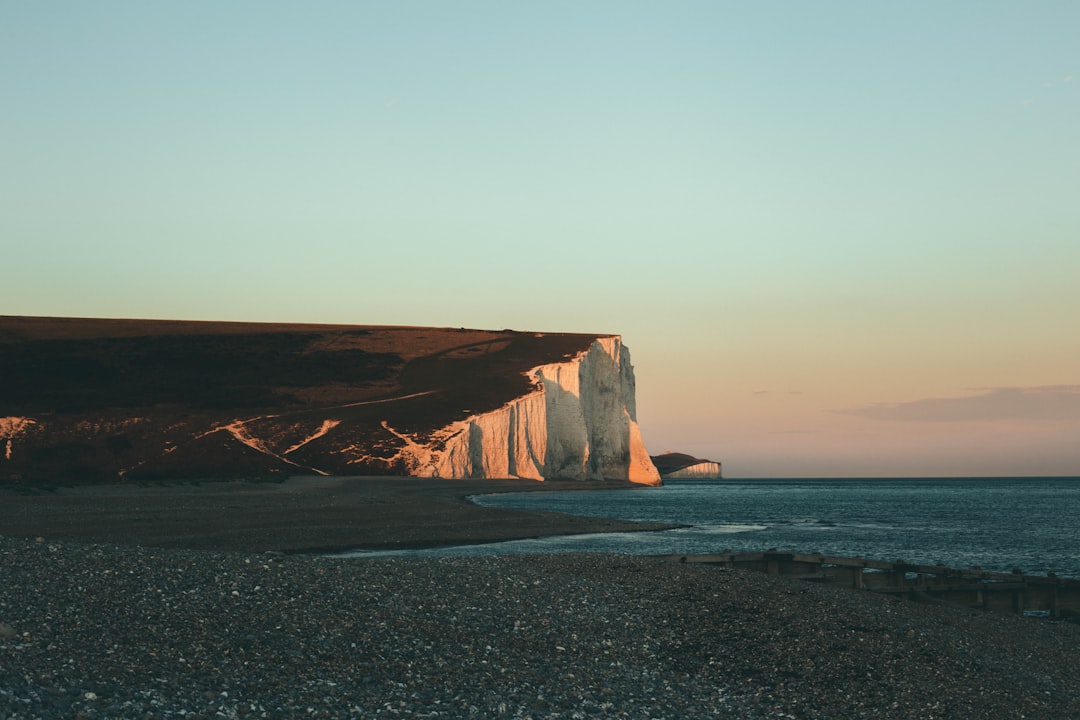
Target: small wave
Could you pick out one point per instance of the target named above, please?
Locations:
(729, 529)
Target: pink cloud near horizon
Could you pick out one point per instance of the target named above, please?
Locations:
(1044, 403)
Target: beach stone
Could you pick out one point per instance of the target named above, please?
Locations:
(542, 636)
(7, 632)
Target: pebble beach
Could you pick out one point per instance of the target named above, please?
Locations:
(110, 631)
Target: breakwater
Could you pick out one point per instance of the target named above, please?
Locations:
(995, 523)
(1017, 593)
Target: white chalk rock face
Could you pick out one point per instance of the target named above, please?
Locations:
(701, 471)
(579, 423)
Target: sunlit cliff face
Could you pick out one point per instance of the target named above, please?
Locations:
(579, 423)
(12, 428)
(700, 471)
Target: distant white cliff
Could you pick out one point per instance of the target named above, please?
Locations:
(579, 423)
(676, 465)
(707, 470)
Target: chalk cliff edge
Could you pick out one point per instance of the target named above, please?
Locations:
(579, 422)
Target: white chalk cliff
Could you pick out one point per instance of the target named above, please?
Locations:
(326, 400)
(579, 422)
(706, 470)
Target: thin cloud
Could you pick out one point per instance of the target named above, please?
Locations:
(1048, 402)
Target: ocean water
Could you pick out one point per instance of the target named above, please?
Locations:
(997, 524)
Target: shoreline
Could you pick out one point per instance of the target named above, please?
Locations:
(297, 515)
(107, 617)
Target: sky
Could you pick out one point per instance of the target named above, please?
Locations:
(840, 238)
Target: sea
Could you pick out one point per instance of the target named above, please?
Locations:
(998, 524)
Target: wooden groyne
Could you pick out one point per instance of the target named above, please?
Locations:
(1015, 592)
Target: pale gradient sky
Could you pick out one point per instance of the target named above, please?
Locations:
(840, 238)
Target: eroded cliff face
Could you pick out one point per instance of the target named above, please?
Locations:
(578, 423)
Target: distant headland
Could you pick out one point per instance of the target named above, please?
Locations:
(676, 465)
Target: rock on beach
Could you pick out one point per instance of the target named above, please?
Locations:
(101, 631)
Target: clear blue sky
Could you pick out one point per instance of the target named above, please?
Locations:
(815, 224)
